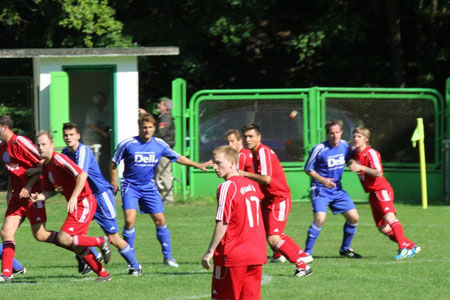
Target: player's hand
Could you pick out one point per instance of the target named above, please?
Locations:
(203, 166)
(354, 167)
(205, 260)
(115, 189)
(328, 183)
(24, 193)
(34, 197)
(72, 205)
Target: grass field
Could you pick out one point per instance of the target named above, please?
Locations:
(52, 272)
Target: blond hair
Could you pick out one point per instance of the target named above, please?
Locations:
(362, 130)
(228, 152)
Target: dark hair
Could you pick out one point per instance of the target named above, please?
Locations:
(331, 123)
(70, 125)
(146, 118)
(236, 133)
(251, 126)
(6, 121)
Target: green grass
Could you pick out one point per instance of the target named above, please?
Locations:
(52, 272)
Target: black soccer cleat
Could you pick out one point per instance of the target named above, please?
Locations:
(5, 279)
(102, 279)
(135, 272)
(350, 253)
(19, 271)
(303, 272)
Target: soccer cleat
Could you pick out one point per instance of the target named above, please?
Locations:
(83, 267)
(103, 278)
(278, 260)
(416, 249)
(303, 272)
(5, 279)
(307, 259)
(171, 262)
(350, 253)
(19, 271)
(135, 272)
(105, 250)
(403, 253)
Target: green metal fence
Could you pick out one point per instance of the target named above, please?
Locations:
(292, 122)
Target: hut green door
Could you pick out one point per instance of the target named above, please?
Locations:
(59, 105)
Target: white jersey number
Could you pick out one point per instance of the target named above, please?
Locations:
(254, 201)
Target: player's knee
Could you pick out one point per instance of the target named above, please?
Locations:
(273, 240)
(64, 240)
(384, 229)
(41, 236)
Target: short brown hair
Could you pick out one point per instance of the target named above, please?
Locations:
(43, 132)
(251, 126)
(70, 125)
(6, 121)
(146, 118)
(332, 123)
(229, 153)
(236, 133)
(362, 130)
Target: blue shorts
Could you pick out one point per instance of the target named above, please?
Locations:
(336, 199)
(144, 197)
(106, 214)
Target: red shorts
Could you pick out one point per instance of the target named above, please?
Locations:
(236, 282)
(35, 212)
(77, 222)
(382, 203)
(275, 214)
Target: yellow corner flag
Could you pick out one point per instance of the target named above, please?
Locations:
(419, 135)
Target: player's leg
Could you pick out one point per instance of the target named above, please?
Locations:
(227, 283)
(251, 287)
(18, 268)
(89, 257)
(106, 218)
(319, 200)
(163, 236)
(351, 217)
(130, 205)
(10, 226)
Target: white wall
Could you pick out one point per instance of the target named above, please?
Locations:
(126, 91)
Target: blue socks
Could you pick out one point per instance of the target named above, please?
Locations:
(163, 236)
(349, 232)
(129, 235)
(313, 234)
(129, 255)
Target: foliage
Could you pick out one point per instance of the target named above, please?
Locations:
(52, 271)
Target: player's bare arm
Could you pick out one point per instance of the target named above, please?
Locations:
(113, 176)
(327, 182)
(263, 179)
(355, 167)
(219, 232)
(79, 185)
(187, 162)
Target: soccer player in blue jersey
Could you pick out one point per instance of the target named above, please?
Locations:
(141, 155)
(325, 166)
(105, 215)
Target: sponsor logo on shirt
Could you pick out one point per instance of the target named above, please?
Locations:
(145, 157)
(336, 161)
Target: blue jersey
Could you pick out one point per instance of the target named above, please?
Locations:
(142, 158)
(85, 159)
(328, 162)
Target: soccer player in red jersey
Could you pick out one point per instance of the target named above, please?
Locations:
(61, 173)
(20, 155)
(234, 140)
(238, 245)
(367, 163)
(276, 203)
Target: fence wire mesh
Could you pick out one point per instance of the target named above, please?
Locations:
(391, 123)
(281, 122)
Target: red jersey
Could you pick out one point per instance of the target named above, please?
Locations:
(246, 160)
(371, 158)
(19, 155)
(61, 173)
(244, 243)
(266, 162)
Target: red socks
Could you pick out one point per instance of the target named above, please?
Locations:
(402, 241)
(95, 265)
(87, 241)
(291, 250)
(9, 249)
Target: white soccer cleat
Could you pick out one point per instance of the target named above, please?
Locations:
(278, 260)
(307, 259)
(171, 262)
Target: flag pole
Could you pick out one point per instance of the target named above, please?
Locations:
(423, 165)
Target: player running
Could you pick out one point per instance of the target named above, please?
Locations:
(141, 155)
(238, 244)
(276, 203)
(60, 173)
(105, 215)
(367, 163)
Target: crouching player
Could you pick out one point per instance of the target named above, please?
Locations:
(60, 173)
(367, 163)
(238, 244)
